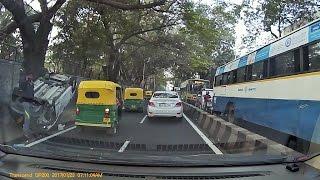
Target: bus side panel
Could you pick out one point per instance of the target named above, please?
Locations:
(253, 110)
(284, 115)
(294, 117)
(220, 103)
(309, 115)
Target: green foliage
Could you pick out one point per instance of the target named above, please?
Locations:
(274, 15)
(9, 47)
(180, 37)
(208, 33)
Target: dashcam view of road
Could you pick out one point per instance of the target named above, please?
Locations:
(158, 84)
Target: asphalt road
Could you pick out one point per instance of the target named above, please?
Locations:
(154, 131)
(136, 133)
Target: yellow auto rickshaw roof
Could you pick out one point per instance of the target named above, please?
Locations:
(138, 91)
(96, 84)
(106, 90)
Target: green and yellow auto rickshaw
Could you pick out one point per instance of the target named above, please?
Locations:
(148, 94)
(133, 99)
(99, 104)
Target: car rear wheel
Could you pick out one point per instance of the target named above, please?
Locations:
(112, 130)
(81, 128)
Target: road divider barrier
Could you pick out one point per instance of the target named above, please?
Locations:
(231, 138)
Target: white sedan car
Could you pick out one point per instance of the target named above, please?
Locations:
(165, 104)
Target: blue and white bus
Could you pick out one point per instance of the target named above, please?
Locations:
(275, 88)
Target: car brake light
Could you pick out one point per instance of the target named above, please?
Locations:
(151, 104)
(77, 111)
(179, 104)
(106, 113)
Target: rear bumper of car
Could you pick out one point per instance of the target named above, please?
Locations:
(167, 112)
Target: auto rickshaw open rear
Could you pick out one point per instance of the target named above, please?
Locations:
(133, 99)
(148, 94)
(99, 104)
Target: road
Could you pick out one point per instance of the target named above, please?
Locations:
(137, 133)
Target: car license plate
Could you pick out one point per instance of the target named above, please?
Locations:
(163, 105)
(106, 120)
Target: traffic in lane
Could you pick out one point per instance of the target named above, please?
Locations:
(136, 132)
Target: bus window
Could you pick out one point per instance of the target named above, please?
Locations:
(230, 77)
(314, 57)
(241, 74)
(284, 64)
(218, 80)
(225, 78)
(248, 72)
(258, 71)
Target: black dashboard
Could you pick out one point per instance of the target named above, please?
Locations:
(25, 167)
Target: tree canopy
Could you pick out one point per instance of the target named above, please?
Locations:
(126, 41)
(273, 16)
(183, 38)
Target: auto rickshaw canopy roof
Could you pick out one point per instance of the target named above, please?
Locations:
(97, 92)
(133, 93)
(149, 93)
(98, 84)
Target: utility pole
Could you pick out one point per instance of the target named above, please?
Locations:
(143, 70)
(154, 83)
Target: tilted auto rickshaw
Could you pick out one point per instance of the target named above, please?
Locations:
(148, 94)
(99, 104)
(133, 99)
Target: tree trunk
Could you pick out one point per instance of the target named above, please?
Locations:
(84, 67)
(113, 67)
(33, 62)
(34, 50)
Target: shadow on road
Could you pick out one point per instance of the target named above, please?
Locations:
(164, 120)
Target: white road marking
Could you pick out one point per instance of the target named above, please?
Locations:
(204, 137)
(143, 119)
(124, 146)
(49, 137)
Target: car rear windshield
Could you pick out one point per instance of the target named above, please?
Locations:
(165, 95)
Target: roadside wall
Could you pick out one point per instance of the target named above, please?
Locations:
(9, 78)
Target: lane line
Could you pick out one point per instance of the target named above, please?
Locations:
(49, 137)
(143, 119)
(124, 146)
(204, 137)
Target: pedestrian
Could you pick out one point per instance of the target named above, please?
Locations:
(26, 85)
(207, 98)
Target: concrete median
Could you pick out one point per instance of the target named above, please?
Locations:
(231, 138)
